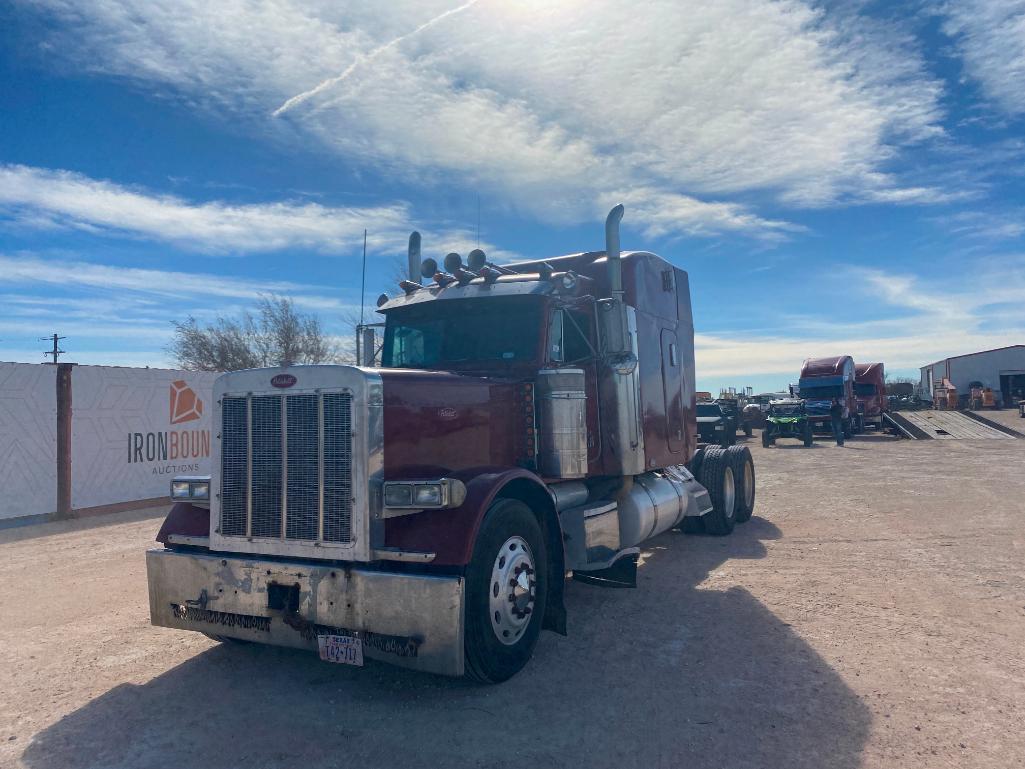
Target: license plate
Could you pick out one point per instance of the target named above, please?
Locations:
(342, 649)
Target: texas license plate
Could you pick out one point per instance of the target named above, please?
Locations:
(342, 649)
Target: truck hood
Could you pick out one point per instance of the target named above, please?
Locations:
(440, 422)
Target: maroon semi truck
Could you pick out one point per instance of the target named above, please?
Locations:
(528, 421)
(870, 391)
(823, 379)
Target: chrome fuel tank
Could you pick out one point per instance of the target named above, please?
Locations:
(656, 502)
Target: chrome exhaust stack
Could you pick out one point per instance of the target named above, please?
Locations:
(612, 251)
(412, 283)
(414, 257)
(619, 383)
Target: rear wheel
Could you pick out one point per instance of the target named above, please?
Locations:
(766, 440)
(717, 477)
(506, 587)
(743, 468)
(808, 436)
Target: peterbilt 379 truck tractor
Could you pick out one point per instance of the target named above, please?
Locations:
(528, 422)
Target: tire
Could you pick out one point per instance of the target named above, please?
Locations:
(695, 463)
(499, 639)
(743, 467)
(766, 440)
(717, 477)
(747, 429)
(809, 436)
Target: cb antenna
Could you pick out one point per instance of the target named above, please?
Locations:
(56, 351)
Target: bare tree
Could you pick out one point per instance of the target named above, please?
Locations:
(276, 335)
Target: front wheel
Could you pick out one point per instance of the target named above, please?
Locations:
(506, 588)
(747, 429)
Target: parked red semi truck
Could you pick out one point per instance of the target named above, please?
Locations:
(823, 379)
(528, 421)
(870, 391)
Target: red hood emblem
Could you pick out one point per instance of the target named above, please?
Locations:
(283, 380)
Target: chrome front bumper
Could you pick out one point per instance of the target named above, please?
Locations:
(412, 620)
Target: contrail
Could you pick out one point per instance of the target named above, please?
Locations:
(300, 98)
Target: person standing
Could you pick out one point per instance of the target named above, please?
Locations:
(836, 419)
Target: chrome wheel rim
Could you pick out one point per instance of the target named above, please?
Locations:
(749, 484)
(512, 590)
(729, 493)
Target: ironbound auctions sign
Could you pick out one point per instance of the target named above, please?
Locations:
(134, 429)
(173, 444)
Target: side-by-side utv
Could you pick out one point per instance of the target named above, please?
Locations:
(787, 419)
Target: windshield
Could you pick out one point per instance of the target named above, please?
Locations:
(708, 410)
(822, 393)
(791, 410)
(865, 390)
(438, 333)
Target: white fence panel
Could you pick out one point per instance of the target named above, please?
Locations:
(133, 429)
(28, 439)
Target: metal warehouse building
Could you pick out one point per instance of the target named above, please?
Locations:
(1002, 369)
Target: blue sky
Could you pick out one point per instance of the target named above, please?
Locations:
(836, 177)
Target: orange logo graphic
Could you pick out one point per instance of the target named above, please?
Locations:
(185, 404)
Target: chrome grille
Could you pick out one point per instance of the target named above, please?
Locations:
(337, 468)
(286, 467)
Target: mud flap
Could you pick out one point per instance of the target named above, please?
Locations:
(621, 573)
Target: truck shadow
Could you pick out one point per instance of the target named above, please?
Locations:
(675, 673)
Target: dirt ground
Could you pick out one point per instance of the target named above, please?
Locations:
(871, 614)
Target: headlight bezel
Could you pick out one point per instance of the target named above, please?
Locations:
(190, 488)
(429, 494)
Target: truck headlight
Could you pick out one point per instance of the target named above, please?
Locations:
(427, 495)
(420, 495)
(398, 495)
(191, 487)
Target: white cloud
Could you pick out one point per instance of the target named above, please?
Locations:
(165, 284)
(37, 197)
(993, 224)
(922, 321)
(551, 108)
(990, 36)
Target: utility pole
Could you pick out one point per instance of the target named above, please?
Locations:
(55, 351)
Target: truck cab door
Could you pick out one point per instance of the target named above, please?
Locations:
(672, 385)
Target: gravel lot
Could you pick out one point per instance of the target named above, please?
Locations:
(871, 614)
